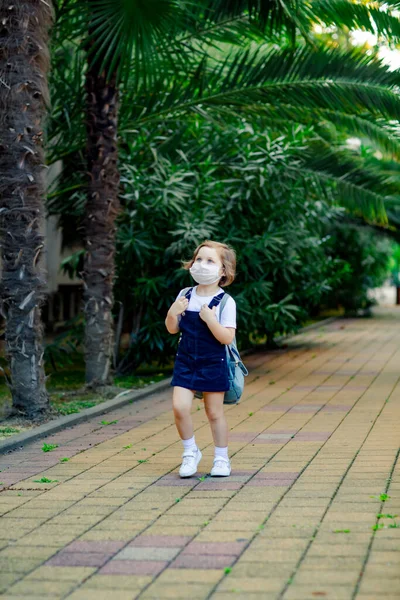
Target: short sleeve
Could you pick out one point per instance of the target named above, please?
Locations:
(178, 296)
(228, 316)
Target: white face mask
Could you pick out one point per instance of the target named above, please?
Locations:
(205, 274)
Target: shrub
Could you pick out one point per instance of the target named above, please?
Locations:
(365, 256)
(236, 189)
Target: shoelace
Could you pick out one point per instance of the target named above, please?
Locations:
(220, 463)
(187, 459)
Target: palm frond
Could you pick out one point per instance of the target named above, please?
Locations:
(344, 177)
(330, 124)
(372, 130)
(323, 79)
(375, 17)
(119, 32)
(392, 206)
(271, 16)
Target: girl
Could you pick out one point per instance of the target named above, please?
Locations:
(200, 363)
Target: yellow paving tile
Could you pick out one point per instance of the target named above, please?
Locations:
(279, 523)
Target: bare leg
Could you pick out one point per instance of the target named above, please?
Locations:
(182, 404)
(214, 405)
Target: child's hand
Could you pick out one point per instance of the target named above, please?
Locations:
(208, 314)
(178, 307)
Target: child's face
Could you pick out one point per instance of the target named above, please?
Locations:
(208, 256)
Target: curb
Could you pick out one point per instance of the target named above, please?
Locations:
(56, 425)
(20, 439)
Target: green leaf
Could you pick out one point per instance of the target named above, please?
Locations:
(49, 447)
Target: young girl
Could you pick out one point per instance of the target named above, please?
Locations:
(200, 363)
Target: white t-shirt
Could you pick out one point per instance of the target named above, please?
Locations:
(228, 314)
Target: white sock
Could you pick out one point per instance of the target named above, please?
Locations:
(221, 453)
(189, 444)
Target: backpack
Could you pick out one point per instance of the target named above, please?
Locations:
(236, 369)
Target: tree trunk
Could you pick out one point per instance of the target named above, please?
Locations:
(101, 211)
(24, 62)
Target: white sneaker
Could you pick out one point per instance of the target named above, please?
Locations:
(221, 468)
(191, 459)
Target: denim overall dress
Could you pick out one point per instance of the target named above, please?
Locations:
(200, 363)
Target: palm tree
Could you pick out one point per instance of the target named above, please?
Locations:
(101, 211)
(24, 61)
(322, 87)
(137, 24)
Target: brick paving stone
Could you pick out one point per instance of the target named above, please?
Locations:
(147, 553)
(42, 588)
(133, 567)
(218, 485)
(312, 436)
(340, 563)
(183, 576)
(307, 592)
(223, 536)
(180, 483)
(7, 579)
(243, 437)
(121, 582)
(191, 561)
(50, 573)
(275, 408)
(376, 585)
(326, 577)
(31, 552)
(85, 593)
(78, 559)
(107, 547)
(190, 590)
(276, 475)
(16, 565)
(23, 597)
(306, 408)
(214, 548)
(368, 596)
(262, 585)
(108, 535)
(160, 541)
(166, 530)
(270, 483)
(238, 596)
(245, 570)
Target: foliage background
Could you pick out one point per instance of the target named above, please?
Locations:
(268, 180)
(190, 181)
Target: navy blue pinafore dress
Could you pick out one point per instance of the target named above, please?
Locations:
(200, 362)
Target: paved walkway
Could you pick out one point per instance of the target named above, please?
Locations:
(307, 513)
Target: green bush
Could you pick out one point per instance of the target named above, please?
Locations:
(236, 188)
(366, 259)
(195, 181)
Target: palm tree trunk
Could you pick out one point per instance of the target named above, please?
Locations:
(101, 211)
(24, 62)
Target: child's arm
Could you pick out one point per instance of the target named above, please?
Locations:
(177, 308)
(223, 334)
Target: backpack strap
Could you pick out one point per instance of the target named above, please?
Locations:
(187, 292)
(223, 303)
(234, 356)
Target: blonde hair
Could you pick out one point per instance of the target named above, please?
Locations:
(227, 256)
